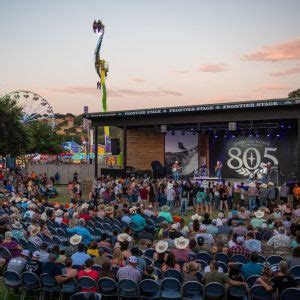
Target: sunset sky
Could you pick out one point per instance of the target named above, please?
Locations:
(160, 52)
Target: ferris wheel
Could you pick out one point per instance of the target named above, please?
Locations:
(34, 107)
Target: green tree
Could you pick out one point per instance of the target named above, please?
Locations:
(14, 136)
(294, 94)
(43, 139)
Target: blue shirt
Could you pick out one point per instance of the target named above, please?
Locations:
(250, 269)
(79, 258)
(86, 236)
(139, 221)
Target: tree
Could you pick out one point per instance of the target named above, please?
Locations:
(294, 94)
(43, 139)
(14, 137)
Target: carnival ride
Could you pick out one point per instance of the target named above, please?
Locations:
(34, 107)
(101, 67)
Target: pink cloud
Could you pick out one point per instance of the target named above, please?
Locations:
(207, 68)
(117, 92)
(287, 72)
(138, 80)
(213, 68)
(289, 50)
(271, 87)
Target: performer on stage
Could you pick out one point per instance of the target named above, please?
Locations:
(218, 169)
(175, 170)
(203, 169)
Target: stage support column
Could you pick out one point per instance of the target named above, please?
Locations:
(96, 151)
(125, 149)
(298, 151)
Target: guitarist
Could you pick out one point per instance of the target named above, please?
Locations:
(175, 170)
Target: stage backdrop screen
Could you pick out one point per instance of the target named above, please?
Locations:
(243, 155)
(183, 148)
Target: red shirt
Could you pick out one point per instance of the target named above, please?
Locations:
(92, 274)
(144, 194)
(86, 217)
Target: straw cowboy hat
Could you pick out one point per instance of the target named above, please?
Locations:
(75, 239)
(58, 213)
(252, 184)
(196, 217)
(221, 215)
(84, 206)
(264, 186)
(161, 247)
(17, 225)
(259, 214)
(34, 230)
(124, 237)
(165, 208)
(109, 209)
(181, 242)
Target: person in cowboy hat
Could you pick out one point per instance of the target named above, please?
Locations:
(58, 216)
(271, 193)
(258, 220)
(181, 250)
(165, 213)
(263, 195)
(17, 230)
(170, 194)
(81, 230)
(252, 193)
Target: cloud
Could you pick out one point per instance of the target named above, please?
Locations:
(213, 68)
(287, 72)
(271, 87)
(289, 50)
(207, 68)
(137, 79)
(117, 92)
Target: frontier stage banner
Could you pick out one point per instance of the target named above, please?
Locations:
(244, 156)
(183, 148)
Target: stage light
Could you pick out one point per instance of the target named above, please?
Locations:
(257, 135)
(225, 136)
(250, 135)
(233, 136)
(289, 126)
(216, 136)
(281, 126)
(277, 135)
(268, 135)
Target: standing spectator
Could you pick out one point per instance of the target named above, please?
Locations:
(263, 195)
(252, 194)
(130, 271)
(184, 199)
(170, 194)
(284, 192)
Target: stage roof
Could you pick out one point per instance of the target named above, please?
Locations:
(271, 109)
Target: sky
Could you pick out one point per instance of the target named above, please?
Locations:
(160, 52)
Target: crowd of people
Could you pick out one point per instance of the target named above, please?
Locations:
(141, 229)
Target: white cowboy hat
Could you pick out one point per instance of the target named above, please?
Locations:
(84, 206)
(264, 186)
(259, 214)
(181, 242)
(174, 226)
(196, 217)
(124, 237)
(165, 208)
(75, 239)
(270, 183)
(17, 225)
(252, 184)
(34, 230)
(170, 185)
(161, 247)
(221, 215)
(58, 213)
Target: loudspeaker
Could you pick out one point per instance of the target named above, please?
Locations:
(157, 169)
(115, 146)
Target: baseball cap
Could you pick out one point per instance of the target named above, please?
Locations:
(25, 253)
(132, 259)
(36, 254)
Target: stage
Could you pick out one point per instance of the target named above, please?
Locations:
(244, 136)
